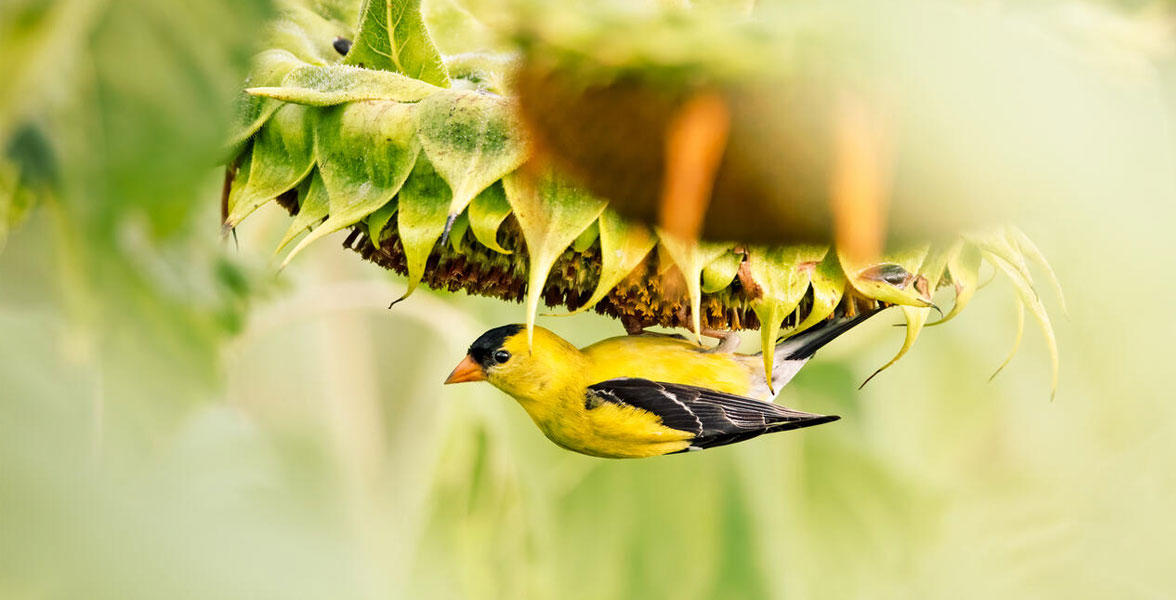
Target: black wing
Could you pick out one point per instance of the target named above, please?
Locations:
(715, 418)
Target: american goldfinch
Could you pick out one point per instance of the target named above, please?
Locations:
(644, 395)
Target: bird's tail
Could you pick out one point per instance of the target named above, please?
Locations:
(803, 345)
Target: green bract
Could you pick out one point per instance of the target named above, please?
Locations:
(382, 142)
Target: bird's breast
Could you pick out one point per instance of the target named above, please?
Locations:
(605, 429)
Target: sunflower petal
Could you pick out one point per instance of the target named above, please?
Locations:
(551, 214)
(691, 257)
(420, 220)
(1016, 340)
(930, 272)
(783, 275)
(312, 209)
(828, 285)
(719, 273)
(473, 139)
(486, 213)
(963, 264)
(328, 85)
(1031, 301)
(283, 154)
(1030, 250)
(358, 184)
(623, 245)
(890, 281)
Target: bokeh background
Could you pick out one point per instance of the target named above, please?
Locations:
(180, 420)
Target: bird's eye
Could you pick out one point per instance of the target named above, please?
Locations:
(501, 356)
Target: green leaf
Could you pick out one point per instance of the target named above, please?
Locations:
(312, 209)
(585, 240)
(783, 274)
(377, 221)
(360, 182)
(868, 279)
(551, 214)
(828, 285)
(392, 37)
(421, 218)
(335, 84)
(623, 245)
(487, 212)
(473, 139)
(283, 154)
(269, 68)
(691, 257)
(719, 273)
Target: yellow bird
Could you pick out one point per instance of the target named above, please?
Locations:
(644, 395)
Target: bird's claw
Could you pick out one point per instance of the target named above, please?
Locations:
(728, 340)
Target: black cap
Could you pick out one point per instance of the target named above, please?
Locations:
(483, 348)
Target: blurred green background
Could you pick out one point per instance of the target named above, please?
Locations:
(179, 420)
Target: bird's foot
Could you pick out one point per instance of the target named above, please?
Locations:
(728, 340)
(635, 327)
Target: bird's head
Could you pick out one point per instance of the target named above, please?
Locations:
(501, 357)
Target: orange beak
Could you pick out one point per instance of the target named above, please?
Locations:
(466, 370)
